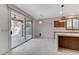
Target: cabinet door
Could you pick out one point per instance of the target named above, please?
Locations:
(69, 24)
(75, 24)
(65, 42)
(59, 24)
(75, 43)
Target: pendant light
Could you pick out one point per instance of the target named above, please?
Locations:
(62, 17)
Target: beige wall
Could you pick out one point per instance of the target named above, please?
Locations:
(4, 30)
(46, 28)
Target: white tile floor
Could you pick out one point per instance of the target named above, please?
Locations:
(40, 47)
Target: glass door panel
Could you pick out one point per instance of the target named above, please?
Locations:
(28, 29)
(17, 28)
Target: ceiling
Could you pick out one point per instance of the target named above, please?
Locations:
(41, 11)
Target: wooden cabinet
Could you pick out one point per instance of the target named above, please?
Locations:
(75, 43)
(68, 42)
(59, 24)
(65, 42)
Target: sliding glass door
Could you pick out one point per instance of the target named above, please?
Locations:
(21, 28)
(28, 29)
(17, 28)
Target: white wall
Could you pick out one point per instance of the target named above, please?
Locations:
(46, 28)
(4, 32)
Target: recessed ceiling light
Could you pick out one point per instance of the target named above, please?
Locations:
(60, 12)
(41, 15)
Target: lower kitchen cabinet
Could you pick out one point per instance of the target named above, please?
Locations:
(68, 42)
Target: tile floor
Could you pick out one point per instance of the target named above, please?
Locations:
(40, 47)
(16, 40)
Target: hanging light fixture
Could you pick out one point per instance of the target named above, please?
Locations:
(62, 17)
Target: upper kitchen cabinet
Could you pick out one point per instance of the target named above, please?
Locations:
(59, 23)
(72, 24)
